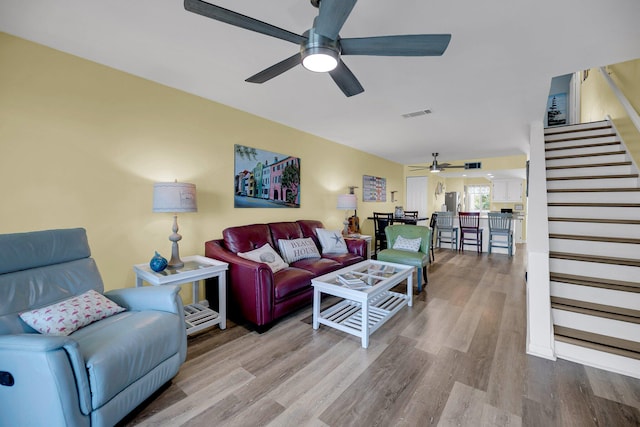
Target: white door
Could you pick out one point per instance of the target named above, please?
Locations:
(416, 196)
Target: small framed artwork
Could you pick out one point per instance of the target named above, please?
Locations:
(557, 109)
(374, 189)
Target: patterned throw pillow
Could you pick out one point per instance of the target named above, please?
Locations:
(71, 314)
(411, 245)
(297, 249)
(267, 255)
(331, 241)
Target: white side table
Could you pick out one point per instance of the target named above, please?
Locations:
(364, 237)
(196, 268)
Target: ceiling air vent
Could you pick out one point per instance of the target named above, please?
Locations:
(473, 165)
(417, 114)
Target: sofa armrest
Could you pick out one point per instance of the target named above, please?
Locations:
(252, 283)
(161, 298)
(48, 370)
(356, 246)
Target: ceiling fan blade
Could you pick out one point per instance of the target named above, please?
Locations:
(233, 18)
(332, 16)
(401, 45)
(275, 70)
(345, 79)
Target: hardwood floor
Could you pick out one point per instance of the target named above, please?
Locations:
(456, 358)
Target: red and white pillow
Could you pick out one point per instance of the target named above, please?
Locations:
(69, 315)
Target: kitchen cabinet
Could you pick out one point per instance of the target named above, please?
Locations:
(506, 190)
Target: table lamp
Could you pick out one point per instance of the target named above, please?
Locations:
(347, 202)
(174, 197)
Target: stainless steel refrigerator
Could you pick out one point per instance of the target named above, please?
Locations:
(452, 200)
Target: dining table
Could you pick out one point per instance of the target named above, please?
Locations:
(406, 219)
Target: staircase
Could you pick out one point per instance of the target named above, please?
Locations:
(593, 195)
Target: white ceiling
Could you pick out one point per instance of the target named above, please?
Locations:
(491, 83)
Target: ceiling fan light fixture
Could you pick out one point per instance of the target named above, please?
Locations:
(434, 168)
(319, 59)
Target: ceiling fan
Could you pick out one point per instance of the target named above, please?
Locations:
(439, 167)
(321, 47)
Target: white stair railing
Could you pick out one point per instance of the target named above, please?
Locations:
(633, 114)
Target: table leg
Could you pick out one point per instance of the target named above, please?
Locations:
(410, 288)
(138, 282)
(365, 324)
(222, 300)
(196, 291)
(316, 308)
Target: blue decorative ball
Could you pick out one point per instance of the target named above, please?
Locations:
(158, 263)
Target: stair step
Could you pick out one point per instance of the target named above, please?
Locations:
(591, 140)
(616, 285)
(593, 195)
(595, 205)
(593, 309)
(568, 178)
(590, 165)
(580, 134)
(599, 342)
(595, 258)
(577, 156)
(595, 238)
(597, 220)
(593, 190)
(580, 127)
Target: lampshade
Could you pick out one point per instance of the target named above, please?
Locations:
(347, 202)
(174, 197)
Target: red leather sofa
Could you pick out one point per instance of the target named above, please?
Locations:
(255, 292)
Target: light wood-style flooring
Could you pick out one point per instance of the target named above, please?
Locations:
(456, 358)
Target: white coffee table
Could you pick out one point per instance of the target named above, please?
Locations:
(362, 311)
(196, 268)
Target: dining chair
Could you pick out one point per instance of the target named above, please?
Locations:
(410, 214)
(380, 221)
(500, 232)
(447, 231)
(470, 231)
(432, 226)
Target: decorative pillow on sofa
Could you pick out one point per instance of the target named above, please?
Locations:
(265, 254)
(411, 245)
(69, 315)
(331, 241)
(296, 249)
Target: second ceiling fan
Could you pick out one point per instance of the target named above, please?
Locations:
(321, 47)
(439, 167)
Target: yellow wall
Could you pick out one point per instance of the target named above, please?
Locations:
(81, 145)
(598, 100)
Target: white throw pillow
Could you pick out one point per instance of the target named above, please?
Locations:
(297, 249)
(412, 245)
(331, 241)
(265, 254)
(69, 315)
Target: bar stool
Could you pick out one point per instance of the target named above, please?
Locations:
(470, 231)
(447, 232)
(500, 226)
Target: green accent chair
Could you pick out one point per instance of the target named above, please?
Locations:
(418, 259)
